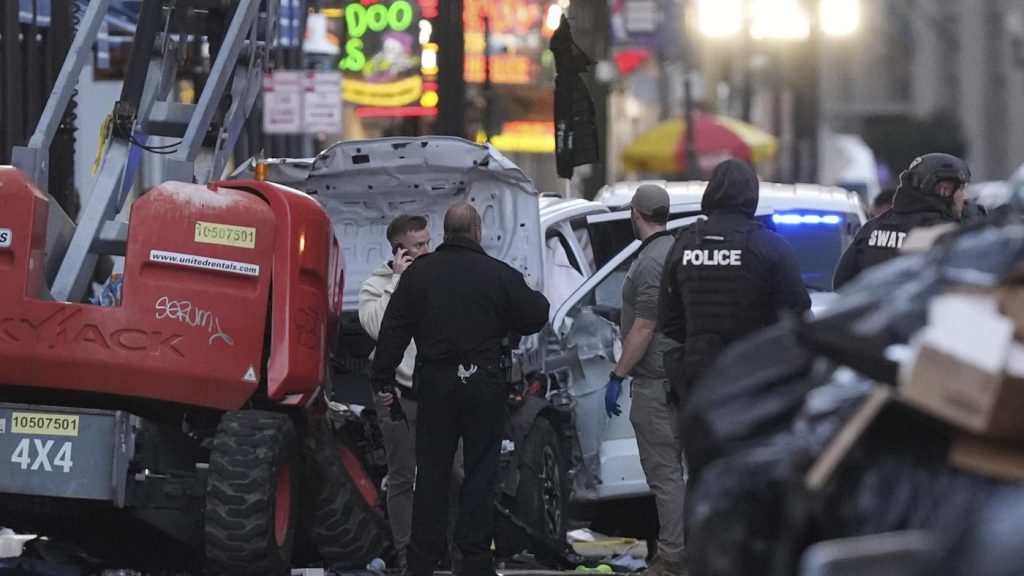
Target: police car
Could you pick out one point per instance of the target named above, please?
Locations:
(818, 221)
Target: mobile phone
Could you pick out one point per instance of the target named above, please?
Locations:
(396, 248)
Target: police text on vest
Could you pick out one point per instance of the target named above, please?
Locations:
(712, 257)
(886, 239)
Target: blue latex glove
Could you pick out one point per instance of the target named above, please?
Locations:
(611, 396)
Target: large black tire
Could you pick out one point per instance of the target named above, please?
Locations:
(250, 497)
(542, 494)
(347, 531)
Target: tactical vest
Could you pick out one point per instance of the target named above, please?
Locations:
(886, 239)
(722, 295)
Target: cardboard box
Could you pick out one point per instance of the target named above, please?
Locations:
(968, 371)
(957, 392)
(996, 460)
(1011, 304)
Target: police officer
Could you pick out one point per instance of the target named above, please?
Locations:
(931, 192)
(409, 238)
(652, 416)
(725, 277)
(458, 303)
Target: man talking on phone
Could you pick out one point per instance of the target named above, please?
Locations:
(409, 239)
(459, 304)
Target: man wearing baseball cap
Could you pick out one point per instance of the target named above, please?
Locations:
(652, 414)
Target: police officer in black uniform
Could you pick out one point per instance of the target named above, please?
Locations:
(931, 192)
(459, 304)
(725, 277)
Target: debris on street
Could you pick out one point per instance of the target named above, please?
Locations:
(896, 410)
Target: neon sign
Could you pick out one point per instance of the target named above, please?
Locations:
(505, 69)
(428, 8)
(382, 56)
(523, 136)
(518, 39)
(390, 56)
(376, 18)
(400, 111)
(398, 93)
(519, 17)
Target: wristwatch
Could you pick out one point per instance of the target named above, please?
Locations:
(613, 376)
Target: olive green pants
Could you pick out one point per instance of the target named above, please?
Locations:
(661, 456)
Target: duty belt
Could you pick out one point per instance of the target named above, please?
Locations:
(467, 369)
(489, 365)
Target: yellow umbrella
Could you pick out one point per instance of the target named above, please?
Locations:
(662, 149)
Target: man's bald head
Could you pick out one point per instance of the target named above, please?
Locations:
(462, 221)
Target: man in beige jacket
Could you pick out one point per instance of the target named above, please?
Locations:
(409, 239)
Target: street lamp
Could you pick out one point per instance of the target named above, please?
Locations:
(784, 21)
(720, 18)
(839, 17)
(775, 19)
(778, 20)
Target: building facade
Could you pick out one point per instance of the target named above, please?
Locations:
(926, 57)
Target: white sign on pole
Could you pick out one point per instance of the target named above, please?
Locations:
(642, 16)
(321, 102)
(282, 102)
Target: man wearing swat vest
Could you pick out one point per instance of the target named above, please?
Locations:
(725, 277)
(931, 192)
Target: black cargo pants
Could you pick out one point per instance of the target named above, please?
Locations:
(467, 402)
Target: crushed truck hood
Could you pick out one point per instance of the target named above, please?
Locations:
(364, 184)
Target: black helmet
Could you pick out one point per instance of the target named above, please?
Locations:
(927, 171)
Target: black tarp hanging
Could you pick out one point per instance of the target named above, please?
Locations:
(576, 140)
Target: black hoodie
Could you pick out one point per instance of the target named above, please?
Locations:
(728, 302)
(882, 237)
(733, 186)
(911, 201)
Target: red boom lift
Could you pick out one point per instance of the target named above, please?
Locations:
(187, 425)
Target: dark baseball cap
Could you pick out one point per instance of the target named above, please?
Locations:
(650, 200)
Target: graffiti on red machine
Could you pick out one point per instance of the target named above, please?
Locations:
(309, 326)
(57, 330)
(185, 312)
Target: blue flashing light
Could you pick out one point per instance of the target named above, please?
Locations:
(797, 218)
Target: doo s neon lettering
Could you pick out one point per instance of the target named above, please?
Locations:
(378, 18)
(712, 257)
(374, 18)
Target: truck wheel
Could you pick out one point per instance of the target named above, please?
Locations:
(542, 494)
(250, 504)
(347, 530)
